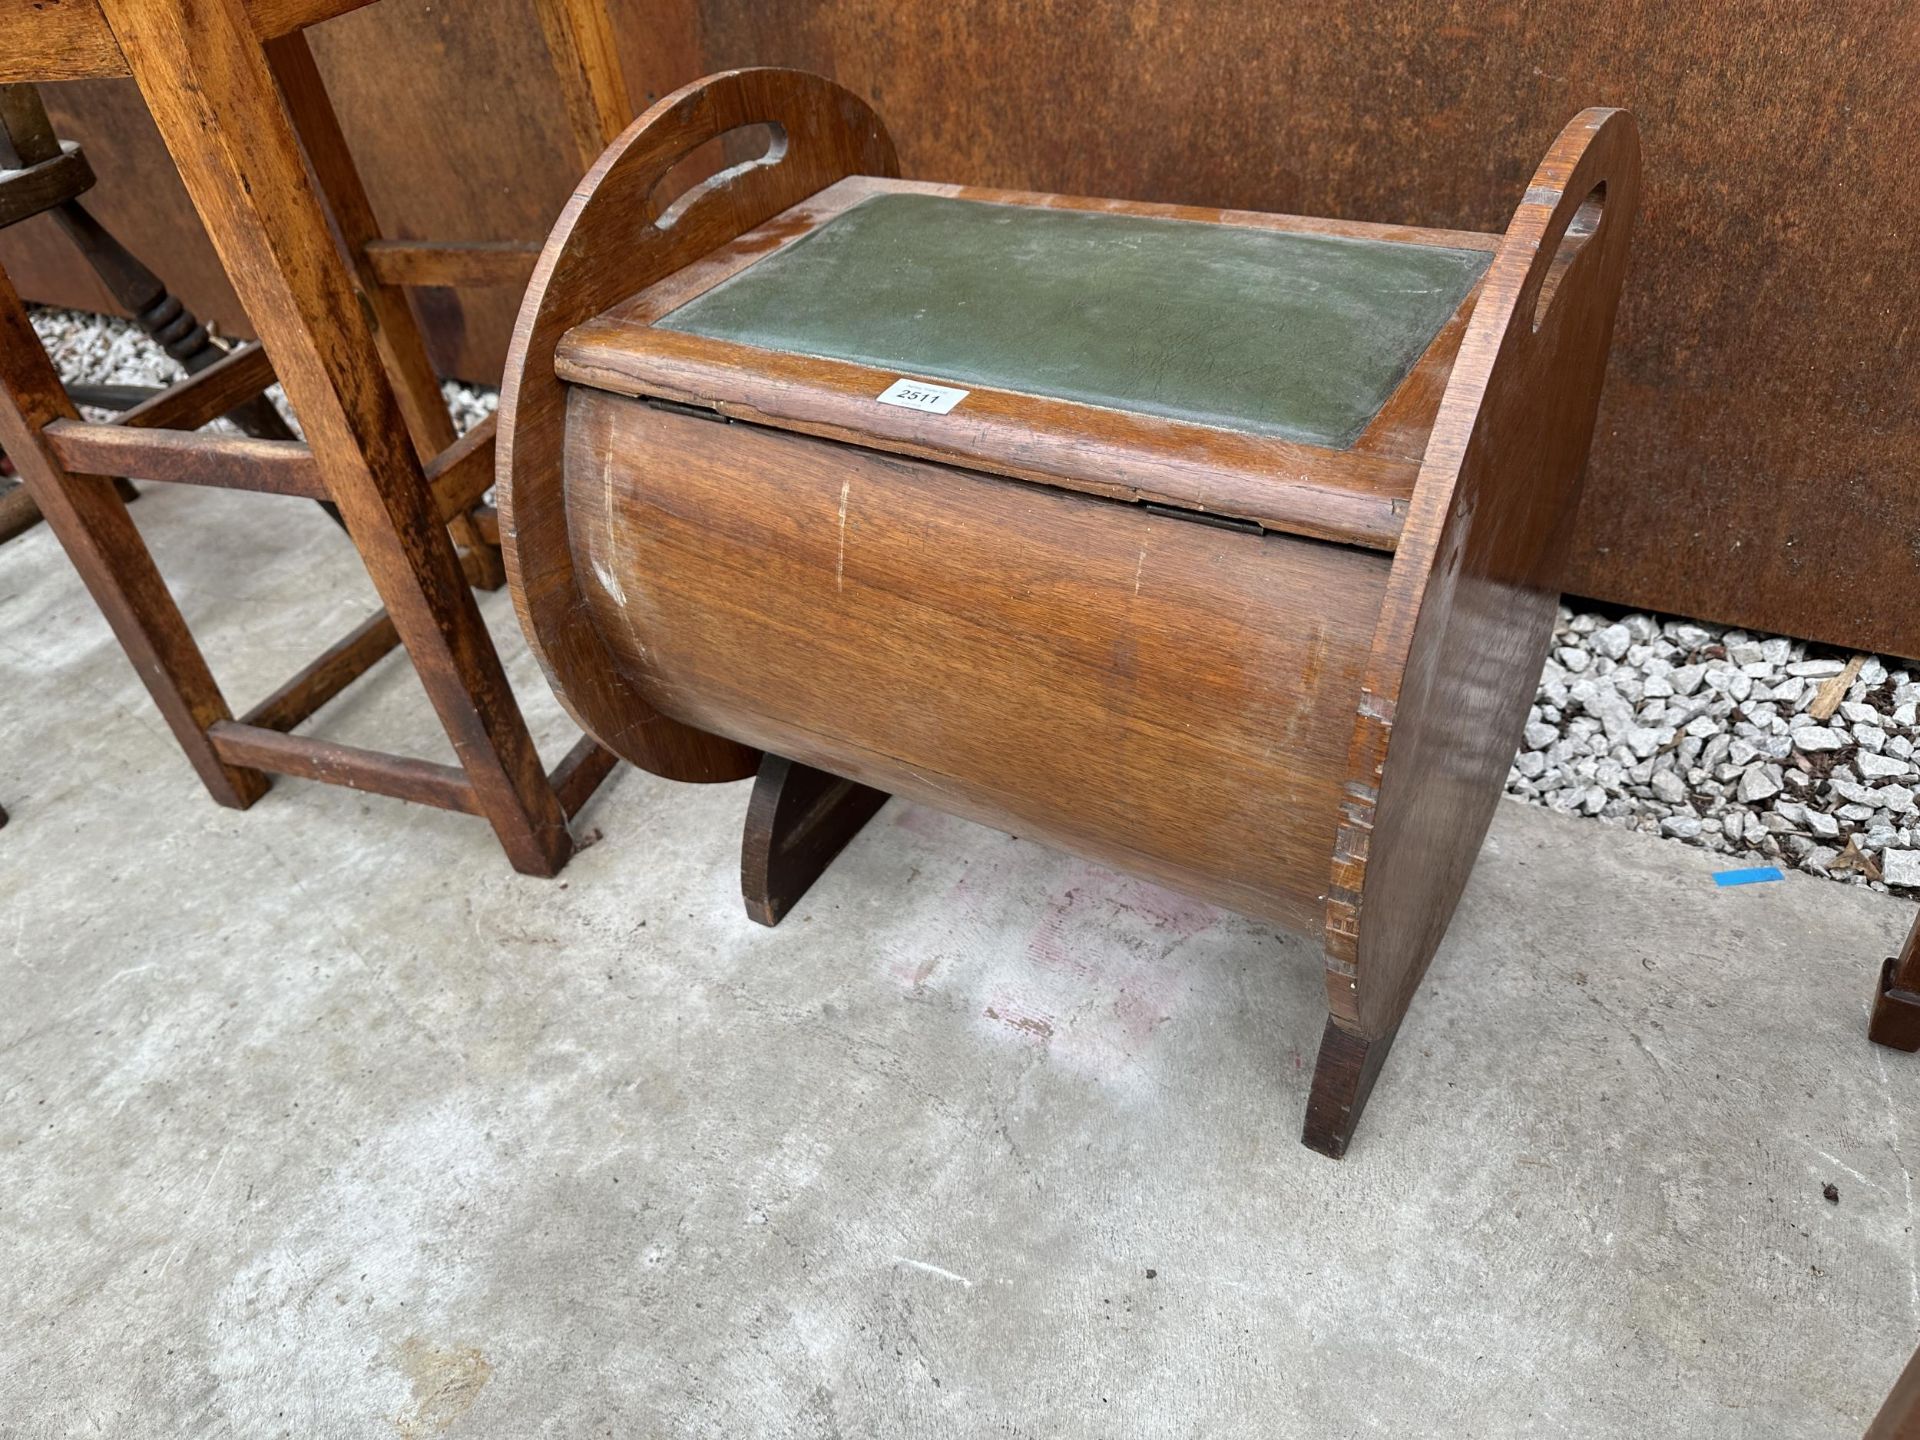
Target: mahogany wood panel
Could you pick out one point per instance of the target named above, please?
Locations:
(187, 457)
(73, 39)
(1469, 606)
(1895, 1017)
(1757, 443)
(99, 536)
(898, 623)
(424, 782)
(203, 72)
(1899, 1417)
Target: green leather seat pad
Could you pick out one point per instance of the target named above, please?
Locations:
(1270, 332)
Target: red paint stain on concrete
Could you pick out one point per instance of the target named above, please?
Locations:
(1014, 1016)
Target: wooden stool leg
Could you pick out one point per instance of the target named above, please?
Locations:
(205, 78)
(798, 820)
(1343, 1077)
(91, 521)
(1895, 1020)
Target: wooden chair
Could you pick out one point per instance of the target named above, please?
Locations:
(1220, 548)
(233, 88)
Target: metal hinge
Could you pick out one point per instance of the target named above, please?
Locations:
(675, 407)
(1202, 517)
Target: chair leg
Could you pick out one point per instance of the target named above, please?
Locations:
(205, 78)
(396, 329)
(798, 820)
(586, 61)
(91, 521)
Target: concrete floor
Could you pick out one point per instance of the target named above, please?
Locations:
(318, 1121)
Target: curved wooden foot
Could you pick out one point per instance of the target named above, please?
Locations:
(798, 820)
(1895, 1020)
(1343, 1077)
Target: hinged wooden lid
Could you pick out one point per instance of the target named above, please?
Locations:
(1263, 368)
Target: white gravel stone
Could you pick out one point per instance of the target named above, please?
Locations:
(1705, 736)
(1902, 868)
(1687, 679)
(1643, 742)
(1817, 737)
(1881, 767)
(1611, 641)
(1854, 794)
(1668, 787)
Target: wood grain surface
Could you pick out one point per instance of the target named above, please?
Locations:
(207, 80)
(1469, 606)
(1153, 693)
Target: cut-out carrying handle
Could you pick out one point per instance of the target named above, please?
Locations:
(669, 201)
(818, 133)
(1570, 222)
(1580, 232)
(614, 238)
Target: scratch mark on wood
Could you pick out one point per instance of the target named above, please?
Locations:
(840, 560)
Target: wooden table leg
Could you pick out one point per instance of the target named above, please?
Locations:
(205, 79)
(1895, 1020)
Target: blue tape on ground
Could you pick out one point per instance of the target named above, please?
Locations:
(1758, 875)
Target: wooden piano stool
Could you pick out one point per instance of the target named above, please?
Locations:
(1218, 547)
(233, 88)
